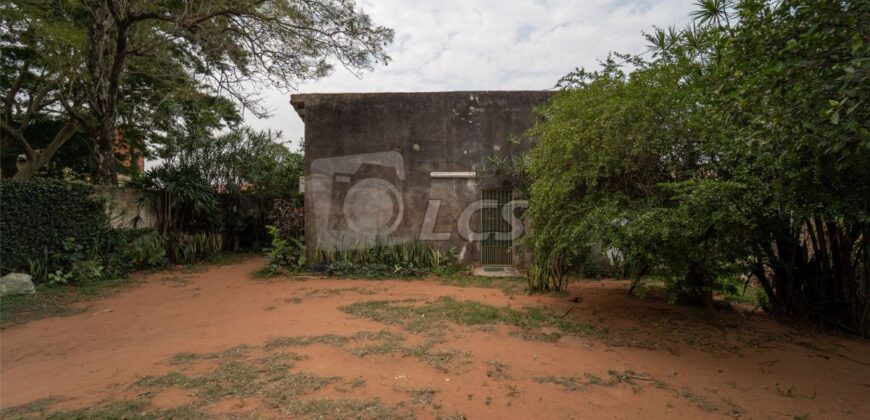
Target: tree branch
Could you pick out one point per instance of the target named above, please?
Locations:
(19, 138)
(40, 159)
(13, 91)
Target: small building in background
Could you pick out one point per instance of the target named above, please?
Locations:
(402, 167)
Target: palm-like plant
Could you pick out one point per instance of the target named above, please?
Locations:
(184, 194)
(663, 40)
(712, 12)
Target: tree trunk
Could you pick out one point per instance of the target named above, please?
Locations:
(8, 163)
(107, 173)
(702, 278)
(709, 307)
(107, 54)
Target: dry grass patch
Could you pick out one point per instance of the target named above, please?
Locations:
(430, 317)
(497, 370)
(231, 353)
(614, 377)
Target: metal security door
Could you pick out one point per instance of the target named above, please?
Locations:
(496, 246)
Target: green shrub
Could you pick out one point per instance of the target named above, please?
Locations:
(148, 250)
(124, 250)
(37, 217)
(286, 253)
(381, 260)
(71, 266)
(87, 271)
(113, 251)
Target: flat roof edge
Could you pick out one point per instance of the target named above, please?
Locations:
(298, 99)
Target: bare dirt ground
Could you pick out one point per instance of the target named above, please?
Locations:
(221, 343)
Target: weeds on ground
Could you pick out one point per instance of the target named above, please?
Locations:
(268, 377)
(124, 409)
(457, 416)
(614, 378)
(39, 407)
(734, 410)
(55, 301)
(61, 300)
(384, 346)
(345, 409)
(550, 337)
(497, 370)
(232, 352)
(325, 293)
(429, 318)
(332, 340)
(288, 387)
(508, 285)
(441, 360)
(419, 396)
(698, 400)
(351, 385)
(379, 343)
(304, 341)
(568, 383)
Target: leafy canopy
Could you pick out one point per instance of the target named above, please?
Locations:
(740, 147)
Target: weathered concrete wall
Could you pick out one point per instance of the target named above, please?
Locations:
(128, 208)
(369, 159)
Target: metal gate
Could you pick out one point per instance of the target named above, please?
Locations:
(495, 249)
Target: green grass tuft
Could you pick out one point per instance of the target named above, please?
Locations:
(342, 409)
(39, 407)
(55, 301)
(231, 353)
(429, 318)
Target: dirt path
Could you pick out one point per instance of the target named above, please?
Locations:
(221, 343)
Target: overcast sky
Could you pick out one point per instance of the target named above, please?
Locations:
(486, 45)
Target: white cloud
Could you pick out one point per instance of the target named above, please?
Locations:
(486, 45)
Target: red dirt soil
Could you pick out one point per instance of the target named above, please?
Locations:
(739, 364)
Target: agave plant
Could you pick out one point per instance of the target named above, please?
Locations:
(185, 248)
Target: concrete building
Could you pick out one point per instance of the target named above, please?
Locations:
(400, 167)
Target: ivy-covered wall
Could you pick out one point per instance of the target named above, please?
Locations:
(37, 215)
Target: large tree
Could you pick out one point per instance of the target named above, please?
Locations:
(40, 70)
(227, 48)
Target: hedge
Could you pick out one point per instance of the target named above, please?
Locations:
(38, 214)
